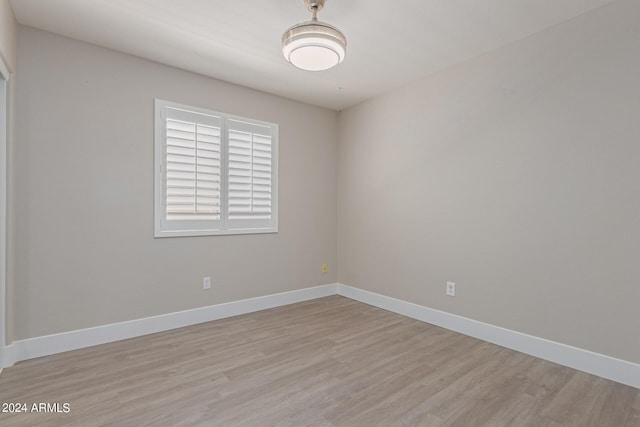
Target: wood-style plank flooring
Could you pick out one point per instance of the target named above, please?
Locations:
(327, 362)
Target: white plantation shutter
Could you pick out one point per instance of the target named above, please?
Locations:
(193, 168)
(216, 173)
(250, 171)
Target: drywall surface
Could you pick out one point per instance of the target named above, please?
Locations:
(82, 184)
(515, 176)
(8, 47)
(8, 35)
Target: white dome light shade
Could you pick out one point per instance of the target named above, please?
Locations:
(314, 46)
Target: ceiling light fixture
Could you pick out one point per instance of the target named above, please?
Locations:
(314, 45)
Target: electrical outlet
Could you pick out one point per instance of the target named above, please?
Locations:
(451, 289)
(325, 268)
(206, 282)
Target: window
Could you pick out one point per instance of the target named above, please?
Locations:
(215, 173)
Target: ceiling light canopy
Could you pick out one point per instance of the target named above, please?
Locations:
(314, 45)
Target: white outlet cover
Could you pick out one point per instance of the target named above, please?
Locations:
(206, 283)
(451, 289)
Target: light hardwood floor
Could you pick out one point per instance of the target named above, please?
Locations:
(327, 362)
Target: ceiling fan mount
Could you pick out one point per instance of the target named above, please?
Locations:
(314, 5)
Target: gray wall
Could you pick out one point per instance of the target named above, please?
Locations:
(84, 252)
(515, 175)
(8, 48)
(8, 35)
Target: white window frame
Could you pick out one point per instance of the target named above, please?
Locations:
(223, 226)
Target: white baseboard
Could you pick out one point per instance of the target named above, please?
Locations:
(73, 340)
(583, 360)
(7, 356)
(597, 364)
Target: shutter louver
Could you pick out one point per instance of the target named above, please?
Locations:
(192, 169)
(249, 172)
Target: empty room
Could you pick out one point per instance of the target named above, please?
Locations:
(320, 213)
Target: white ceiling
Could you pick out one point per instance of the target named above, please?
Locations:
(390, 43)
